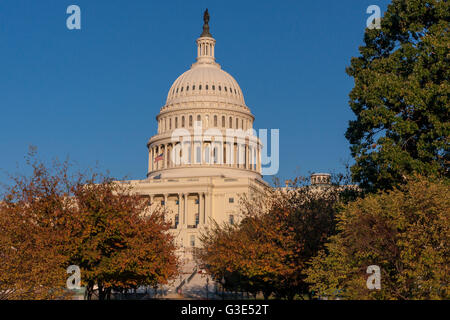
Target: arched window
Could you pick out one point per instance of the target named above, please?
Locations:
(199, 118)
(193, 87)
(200, 87)
(170, 124)
(231, 123)
(206, 87)
(215, 121)
(176, 122)
(213, 87)
(182, 121)
(223, 121)
(242, 124)
(237, 123)
(190, 121)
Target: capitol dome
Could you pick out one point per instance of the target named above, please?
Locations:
(206, 100)
(205, 81)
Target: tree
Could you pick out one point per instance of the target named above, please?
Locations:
(401, 96)
(33, 239)
(279, 232)
(405, 232)
(115, 244)
(55, 218)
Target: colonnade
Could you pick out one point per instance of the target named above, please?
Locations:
(234, 155)
(182, 214)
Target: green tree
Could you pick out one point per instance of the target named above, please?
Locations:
(401, 96)
(405, 231)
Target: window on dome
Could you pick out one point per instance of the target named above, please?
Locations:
(220, 88)
(200, 87)
(193, 87)
(177, 90)
(235, 91)
(214, 87)
(187, 88)
(242, 124)
(225, 89)
(181, 89)
(206, 87)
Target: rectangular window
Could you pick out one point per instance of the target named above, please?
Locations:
(163, 202)
(192, 241)
(231, 219)
(231, 200)
(197, 219)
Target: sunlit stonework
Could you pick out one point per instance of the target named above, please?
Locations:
(207, 186)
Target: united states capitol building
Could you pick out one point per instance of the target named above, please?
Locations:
(205, 154)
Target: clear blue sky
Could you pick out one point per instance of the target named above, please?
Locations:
(93, 94)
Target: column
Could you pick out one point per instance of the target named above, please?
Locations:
(155, 167)
(201, 212)
(180, 221)
(185, 213)
(247, 157)
(236, 150)
(208, 213)
(157, 153)
(166, 156)
(150, 159)
(259, 159)
(192, 158)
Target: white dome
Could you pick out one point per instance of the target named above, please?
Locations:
(204, 102)
(205, 82)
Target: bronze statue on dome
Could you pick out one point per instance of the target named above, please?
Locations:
(206, 16)
(206, 25)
